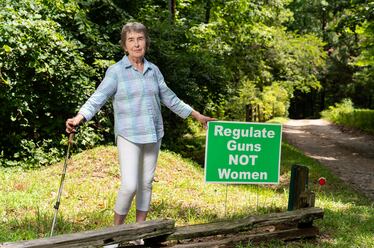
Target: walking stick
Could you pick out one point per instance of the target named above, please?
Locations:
(57, 205)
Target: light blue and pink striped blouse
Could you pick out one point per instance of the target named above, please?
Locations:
(136, 101)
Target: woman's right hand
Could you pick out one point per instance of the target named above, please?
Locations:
(72, 123)
(202, 118)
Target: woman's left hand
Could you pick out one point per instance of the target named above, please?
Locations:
(202, 118)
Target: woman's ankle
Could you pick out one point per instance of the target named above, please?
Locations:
(141, 216)
(119, 219)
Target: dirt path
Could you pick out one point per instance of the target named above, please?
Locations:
(349, 155)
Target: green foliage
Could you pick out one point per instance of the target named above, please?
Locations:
(333, 112)
(48, 66)
(33, 154)
(273, 101)
(364, 77)
(346, 27)
(87, 137)
(345, 114)
(261, 55)
(360, 118)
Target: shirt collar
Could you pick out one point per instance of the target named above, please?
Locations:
(127, 63)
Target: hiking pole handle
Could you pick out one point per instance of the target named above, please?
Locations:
(72, 134)
(71, 138)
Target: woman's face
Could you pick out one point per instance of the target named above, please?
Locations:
(135, 45)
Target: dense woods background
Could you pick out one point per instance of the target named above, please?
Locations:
(290, 58)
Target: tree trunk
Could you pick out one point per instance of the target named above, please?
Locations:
(208, 6)
(172, 10)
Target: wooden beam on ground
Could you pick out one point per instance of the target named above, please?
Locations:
(98, 238)
(285, 226)
(244, 239)
(234, 226)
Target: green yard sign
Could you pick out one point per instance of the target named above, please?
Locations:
(243, 152)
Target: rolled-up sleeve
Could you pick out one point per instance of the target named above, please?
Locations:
(170, 99)
(106, 89)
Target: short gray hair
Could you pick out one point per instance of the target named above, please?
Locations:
(135, 27)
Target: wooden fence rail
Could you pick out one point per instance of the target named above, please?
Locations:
(98, 238)
(284, 226)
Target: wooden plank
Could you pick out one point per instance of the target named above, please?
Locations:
(244, 239)
(98, 238)
(248, 223)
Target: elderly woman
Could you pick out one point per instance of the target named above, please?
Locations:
(137, 87)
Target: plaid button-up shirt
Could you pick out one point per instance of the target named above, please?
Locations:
(136, 101)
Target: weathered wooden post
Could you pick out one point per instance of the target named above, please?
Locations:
(299, 195)
(248, 113)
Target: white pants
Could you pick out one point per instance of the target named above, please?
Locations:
(137, 163)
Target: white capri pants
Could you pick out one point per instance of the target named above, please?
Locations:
(138, 164)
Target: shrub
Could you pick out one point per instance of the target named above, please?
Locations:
(345, 114)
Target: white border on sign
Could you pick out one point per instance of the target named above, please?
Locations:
(243, 122)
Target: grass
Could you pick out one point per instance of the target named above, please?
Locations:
(27, 198)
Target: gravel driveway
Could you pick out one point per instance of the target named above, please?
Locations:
(349, 155)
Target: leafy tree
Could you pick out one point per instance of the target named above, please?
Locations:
(257, 50)
(47, 70)
(338, 24)
(364, 77)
